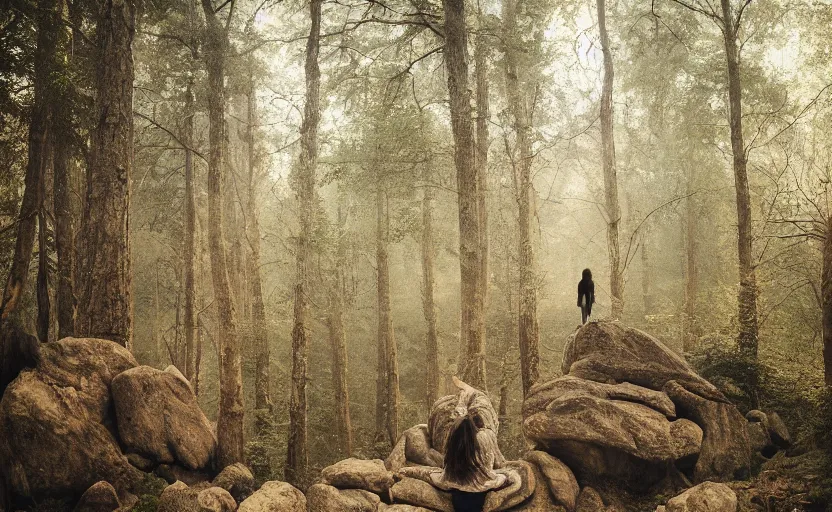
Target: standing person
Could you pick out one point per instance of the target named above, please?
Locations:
(586, 295)
(471, 456)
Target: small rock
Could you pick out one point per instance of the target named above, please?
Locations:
(401, 508)
(237, 480)
(101, 497)
(369, 475)
(325, 498)
(777, 430)
(275, 496)
(705, 497)
(590, 501)
(760, 440)
(173, 473)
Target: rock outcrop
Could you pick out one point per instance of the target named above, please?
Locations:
(705, 497)
(275, 497)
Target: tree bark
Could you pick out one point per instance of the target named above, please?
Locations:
(44, 305)
(691, 277)
(472, 353)
(428, 303)
(230, 418)
(388, 391)
(262, 397)
(190, 238)
(65, 299)
(609, 168)
(747, 297)
(826, 302)
(482, 143)
(338, 341)
(528, 331)
(105, 309)
(297, 459)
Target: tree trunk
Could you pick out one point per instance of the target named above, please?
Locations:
(190, 237)
(262, 398)
(472, 353)
(528, 332)
(389, 389)
(608, 163)
(691, 278)
(298, 455)
(826, 303)
(747, 297)
(44, 306)
(482, 143)
(646, 274)
(105, 309)
(338, 342)
(230, 418)
(428, 304)
(64, 225)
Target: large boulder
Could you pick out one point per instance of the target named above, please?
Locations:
(275, 496)
(179, 497)
(369, 475)
(520, 484)
(237, 480)
(602, 438)
(412, 491)
(541, 500)
(414, 447)
(101, 497)
(612, 352)
(159, 418)
(56, 426)
(325, 498)
(726, 449)
(705, 497)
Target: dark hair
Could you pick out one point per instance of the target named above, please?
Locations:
(586, 275)
(462, 455)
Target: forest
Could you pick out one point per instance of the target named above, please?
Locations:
(254, 251)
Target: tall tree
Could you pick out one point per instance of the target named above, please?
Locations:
(230, 418)
(613, 210)
(105, 308)
(338, 338)
(297, 459)
(428, 301)
(190, 237)
(481, 51)
(472, 353)
(518, 104)
(387, 387)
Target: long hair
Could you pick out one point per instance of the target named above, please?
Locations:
(463, 462)
(586, 275)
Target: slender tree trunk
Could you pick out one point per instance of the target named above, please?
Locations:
(472, 353)
(428, 304)
(747, 297)
(609, 167)
(297, 460)
(30, 207)
(338, 341)
(44, 306)
(262, 398)
(105, 309)
(230, 418)
(482, 143)
(64, 227)
(646, 274)
(190, 237)
(691, 278)
(528, 331)
(389, 390)
(826, 303)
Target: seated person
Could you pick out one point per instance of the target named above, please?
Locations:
(471, 457)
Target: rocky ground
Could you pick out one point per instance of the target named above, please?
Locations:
(628, 427)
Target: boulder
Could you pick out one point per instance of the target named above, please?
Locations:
(442, 417)
(541, 499)
(159, 418)
(56, 426)
(760, 440)
(590, 501)
(541, 395)
(557, 477)
(726, 451)
(401, 508)
(179, 497)
(237, 480)
(325, 498)
(611, 352)
(411, 491)
(101, 497)
(215, 499)
(705, 497)
(275, 496)
(520, 485)
(777, 430)
(414, 447)
(172, 473)
(601, 438)
(369, 475)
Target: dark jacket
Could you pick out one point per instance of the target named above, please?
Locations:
(586, 288)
